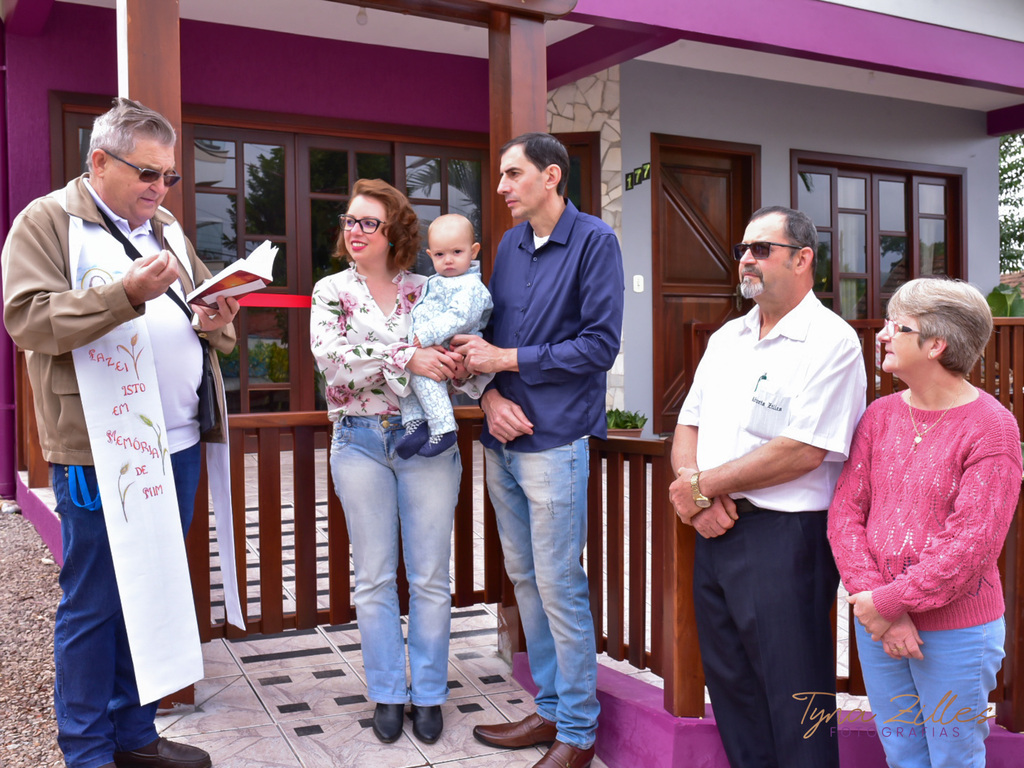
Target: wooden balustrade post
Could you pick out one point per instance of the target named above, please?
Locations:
(682, 671)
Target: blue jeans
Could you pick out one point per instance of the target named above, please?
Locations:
(926, 712)
(388, 500)
(540, 500)
(95, 697)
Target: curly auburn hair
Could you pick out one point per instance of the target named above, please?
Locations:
(401, 227)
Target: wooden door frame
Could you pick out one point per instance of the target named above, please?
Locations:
(750, 156)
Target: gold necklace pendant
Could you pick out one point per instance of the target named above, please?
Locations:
(919, 434)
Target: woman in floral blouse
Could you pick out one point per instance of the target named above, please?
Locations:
(358, 329)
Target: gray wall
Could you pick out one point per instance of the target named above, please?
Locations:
(778, 117)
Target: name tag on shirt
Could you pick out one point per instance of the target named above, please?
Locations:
(768, 410)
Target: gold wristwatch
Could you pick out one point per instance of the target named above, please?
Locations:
(699, 498)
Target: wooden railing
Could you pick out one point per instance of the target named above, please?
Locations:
(625, 541)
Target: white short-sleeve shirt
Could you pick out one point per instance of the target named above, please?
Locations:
(804, 380)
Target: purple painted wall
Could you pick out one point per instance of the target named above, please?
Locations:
(75, 52)
(245, 69)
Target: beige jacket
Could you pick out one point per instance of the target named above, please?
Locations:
(48, 319)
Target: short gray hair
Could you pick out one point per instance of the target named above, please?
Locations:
(947, 309)
(799, 227)
(118, 129)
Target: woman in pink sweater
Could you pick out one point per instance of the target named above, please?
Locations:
(917, 523)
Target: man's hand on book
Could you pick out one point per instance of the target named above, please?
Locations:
(211, 319)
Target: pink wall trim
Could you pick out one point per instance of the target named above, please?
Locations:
(828, 32)
(47, 523)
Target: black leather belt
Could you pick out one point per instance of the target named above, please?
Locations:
(745, 506)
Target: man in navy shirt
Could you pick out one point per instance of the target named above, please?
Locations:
(554, 333)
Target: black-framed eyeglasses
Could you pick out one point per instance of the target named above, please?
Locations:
(760, 250)
(369, 224)
(891, 328)
(148, 175)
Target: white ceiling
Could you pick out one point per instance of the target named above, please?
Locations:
(337, 21)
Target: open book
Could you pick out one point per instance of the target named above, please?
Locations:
(254, 272)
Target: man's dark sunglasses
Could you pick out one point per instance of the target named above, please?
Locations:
(760, 250)
(148, 175)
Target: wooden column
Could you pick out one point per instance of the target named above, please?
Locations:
(518, 101)
(149, 67)
(149, 71)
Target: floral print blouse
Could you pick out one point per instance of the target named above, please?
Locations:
(362, 352)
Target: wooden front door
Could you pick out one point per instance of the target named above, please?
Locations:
(704, 193)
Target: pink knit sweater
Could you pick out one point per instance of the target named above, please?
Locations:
(922, 527)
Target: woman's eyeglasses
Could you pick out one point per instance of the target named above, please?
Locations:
(761, 250)
(148, 175)
(891, 328)
(369, 225)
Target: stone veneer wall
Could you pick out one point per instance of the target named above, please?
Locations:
(592, 104)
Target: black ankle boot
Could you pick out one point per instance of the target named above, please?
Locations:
(427, 723)
(387, 722)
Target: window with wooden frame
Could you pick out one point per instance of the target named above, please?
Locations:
(879, 225)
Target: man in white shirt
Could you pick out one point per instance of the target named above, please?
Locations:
(761, 439)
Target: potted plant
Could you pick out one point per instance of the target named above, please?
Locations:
(625, 423)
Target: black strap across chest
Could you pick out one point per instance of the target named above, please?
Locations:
(133, 253)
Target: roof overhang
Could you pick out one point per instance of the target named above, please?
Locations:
(825, 43)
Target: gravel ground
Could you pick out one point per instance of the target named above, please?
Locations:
(29, 594)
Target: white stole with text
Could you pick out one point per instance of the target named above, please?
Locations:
(124, 416)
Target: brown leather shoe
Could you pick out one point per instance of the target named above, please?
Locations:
(163, 754)
(532, 729)
(561, 755)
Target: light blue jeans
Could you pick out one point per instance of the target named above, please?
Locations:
(927, 712)
(540, 500)
(388, 501)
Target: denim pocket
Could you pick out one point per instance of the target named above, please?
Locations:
(342, 436)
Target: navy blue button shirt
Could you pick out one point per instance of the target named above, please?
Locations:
(561, 306)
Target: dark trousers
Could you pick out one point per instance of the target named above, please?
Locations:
(763, 592)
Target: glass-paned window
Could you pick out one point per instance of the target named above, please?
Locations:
(423, 177)
(216, 238)
(852, 193)
(374, 166)
(878, 227)
(215, 163)
(324, 231)
(814, 197)
(932, 199)
(465, 190)
(892, 206)
(894, 265)
(853, 295)
(264, 190)
(328, 171)
(933, 247)
(823, 263)
(852, 243)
